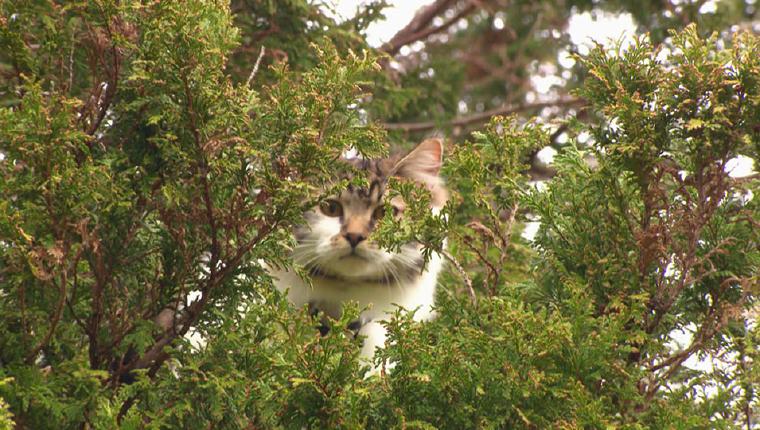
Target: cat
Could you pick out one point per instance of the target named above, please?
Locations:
(344, 264)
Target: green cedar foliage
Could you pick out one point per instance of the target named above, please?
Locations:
(6, 418)
(141, 171)
(486, 57)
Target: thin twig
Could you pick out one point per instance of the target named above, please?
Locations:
(71, 67)
(462, 273)
(54, 320)
(255, 66)
(482, 116)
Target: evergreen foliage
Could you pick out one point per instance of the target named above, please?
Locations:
(145, 167)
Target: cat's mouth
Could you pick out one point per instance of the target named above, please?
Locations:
(353, 255)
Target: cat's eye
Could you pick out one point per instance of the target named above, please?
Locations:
(380, 212)
(331, 208)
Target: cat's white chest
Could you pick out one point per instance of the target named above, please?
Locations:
(328, 294)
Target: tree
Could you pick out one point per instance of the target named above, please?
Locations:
(155, 158)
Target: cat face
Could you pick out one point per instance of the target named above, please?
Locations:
(335, 242)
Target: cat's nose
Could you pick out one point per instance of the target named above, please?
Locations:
(354, 238)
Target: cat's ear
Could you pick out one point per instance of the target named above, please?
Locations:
(423, 162)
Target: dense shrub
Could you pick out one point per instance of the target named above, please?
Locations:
(142, 172)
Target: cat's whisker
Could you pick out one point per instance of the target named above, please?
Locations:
(395, 275)
(309, 260)
(384, 266)
(405, 267)
(302, 256)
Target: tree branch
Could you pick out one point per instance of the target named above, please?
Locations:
(481, 116)
(155, 355)
(416, 26)
(403, 38)
(54, 319)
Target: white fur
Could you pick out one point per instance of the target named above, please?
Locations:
(350, 279)
(342, 274)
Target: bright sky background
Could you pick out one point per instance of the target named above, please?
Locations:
(397, 16)
(583, 28)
